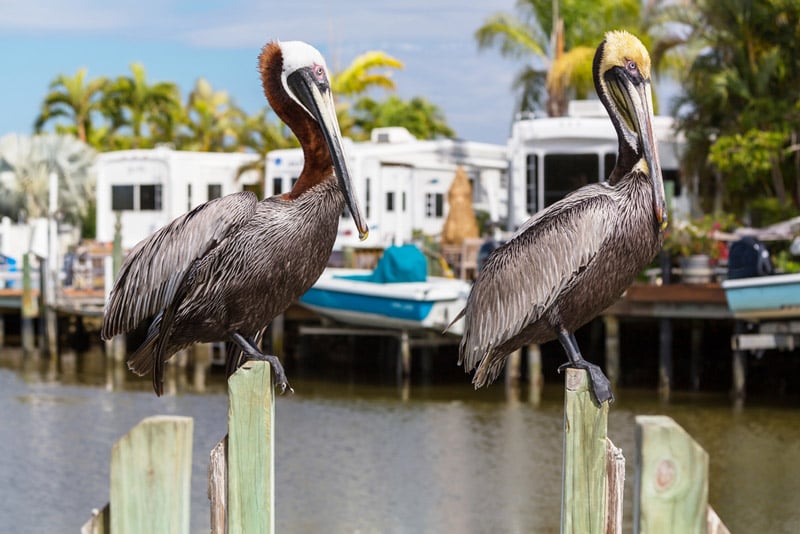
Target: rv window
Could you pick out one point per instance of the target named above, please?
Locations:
(150, 197)
(121, 197)
(434, 205)
(277, 186)
(531, 179)
(367, 204)
(610, 161)
(390, 201)
(564, 173)
(674, 176)
(188, 197)
(404, 202)
(214, 191)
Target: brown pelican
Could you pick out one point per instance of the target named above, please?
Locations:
(573, 259)
(224, 270)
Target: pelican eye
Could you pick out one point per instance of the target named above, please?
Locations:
(319, 72)
(631, 65)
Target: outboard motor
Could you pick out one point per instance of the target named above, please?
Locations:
(747, 258)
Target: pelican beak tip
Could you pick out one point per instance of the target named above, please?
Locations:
(362, 236)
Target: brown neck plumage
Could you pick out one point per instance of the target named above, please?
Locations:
(318, 165)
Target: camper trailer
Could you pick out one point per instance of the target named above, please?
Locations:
(149, 188)
(402, 182)
(551, 156)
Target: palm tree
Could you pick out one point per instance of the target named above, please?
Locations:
(73, 97)
(261, 134)
(558, 39)
(740, 111)
(358, 78)
(31, 160)
(212, 120)
(418, 116)
(132, 102)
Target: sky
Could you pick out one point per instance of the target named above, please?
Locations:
(183, 40)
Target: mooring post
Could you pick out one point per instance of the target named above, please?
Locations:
(535, 378)
(611, 323)
(251, 452)
(584, 479)
(151, 469)
(665, 359)
(739, 367)
(29, 307)
(671, 484)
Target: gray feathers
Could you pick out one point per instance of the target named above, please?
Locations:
(564, 265)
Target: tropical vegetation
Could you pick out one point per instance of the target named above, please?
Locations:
(740, 113)
(132, 112)
(557, 39)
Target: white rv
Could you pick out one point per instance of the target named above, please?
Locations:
(402, 182)
(551, 156)
(149, 188)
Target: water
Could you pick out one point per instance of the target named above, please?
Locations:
(354, 455)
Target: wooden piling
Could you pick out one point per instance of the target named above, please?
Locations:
(665, 359)
(535, 377)
(251, 454)
(584, 480)
(615, 471)
(29, 307)
(671, 480)
(151, 469)
(611, 323)
(218, 486)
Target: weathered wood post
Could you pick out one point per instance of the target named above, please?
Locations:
(611, 322)
(248, 505)
(29, 306)
(671, 481)
(584, 482)
(151, 469)
(535, 377)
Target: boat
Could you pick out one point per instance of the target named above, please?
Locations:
(397, 295)
(774, 296)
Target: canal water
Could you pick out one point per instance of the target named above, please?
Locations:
(360, 454)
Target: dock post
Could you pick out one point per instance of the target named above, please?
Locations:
(671, 484)
(612, 349)
(251, 451)
(665, 359)
(535, 377)
(696, 354)
(29, 310)
(739, 367)
(151, 470)
(404, 358)
(512, 371)
(276, 330)
(584, 479)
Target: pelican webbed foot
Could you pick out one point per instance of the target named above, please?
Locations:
(251, 352)
(599, 384)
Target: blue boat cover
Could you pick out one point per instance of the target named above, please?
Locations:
(398, 264)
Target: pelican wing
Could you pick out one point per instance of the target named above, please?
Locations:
(154, 269)
(522, 279)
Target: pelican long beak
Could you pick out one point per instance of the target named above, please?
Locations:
(634, 100)
(316, 96)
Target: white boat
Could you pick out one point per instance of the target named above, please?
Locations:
(345, 296)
